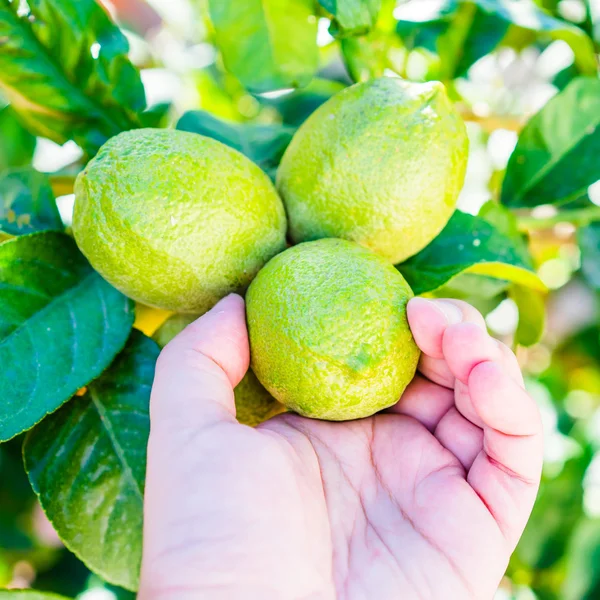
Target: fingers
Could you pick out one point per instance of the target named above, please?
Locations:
(192, 397)
(197, 371)
(495, 429)
(501, 403)
(460, 436)
(464, 346)
(506, 473)
(428, 321)
(424, 401)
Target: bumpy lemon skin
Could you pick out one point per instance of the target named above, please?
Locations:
(380, 163)
(176, 220)
(329, 336)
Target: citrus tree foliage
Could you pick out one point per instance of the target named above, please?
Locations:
(76, 367)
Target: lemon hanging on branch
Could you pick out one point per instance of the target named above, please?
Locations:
(381, 163)
(176, 220)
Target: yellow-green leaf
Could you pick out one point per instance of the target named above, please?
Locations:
(472, 245)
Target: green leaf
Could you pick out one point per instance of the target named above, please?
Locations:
(589, 243)
(505, 222)
(16, 143)
(16, 502)
(263, 144)
(61, 325)
(528, 16)
(473, 34)
(87, 463)
(468, 244)
(65, 70)
(555, 159)
(27, 203)
(460, 33)
(297, 106)
(28, 595)
(532, 314)
(463, 31)
(267, 44)
(156, 115)
(582, 581)
(352, 17)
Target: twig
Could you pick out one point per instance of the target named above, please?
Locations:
(580, 218)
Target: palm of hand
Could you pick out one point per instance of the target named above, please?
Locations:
(390, 511)
(413, 503)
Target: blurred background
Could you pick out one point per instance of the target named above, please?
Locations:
(499, 72)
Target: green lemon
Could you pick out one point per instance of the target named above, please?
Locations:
(381, 163)
(176, 220)
(329, 336)
(253, 404)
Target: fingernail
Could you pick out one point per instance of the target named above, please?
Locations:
(452, 313)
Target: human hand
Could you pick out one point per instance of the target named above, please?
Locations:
(425, 500)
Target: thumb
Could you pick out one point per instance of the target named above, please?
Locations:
(192, 391)
(197, 370)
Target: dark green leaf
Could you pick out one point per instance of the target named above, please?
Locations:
(27, 203)
(556, 157)
(565, 76)
(352, 17)
(61, 325)
(28, 595)
(425, 33)
(156, 116)
(65, 70)
(16, 500)
(16, 143)
(297, 106)
(263, 144)
(65, 574)
(463, 31)
(87, 463)
(467, 244)
(532, 314)
(589, 242)
(267, 44)
(526, 15)
(482, 32)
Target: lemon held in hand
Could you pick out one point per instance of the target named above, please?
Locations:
(329, 336)
(380, 163)
(176, 220)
